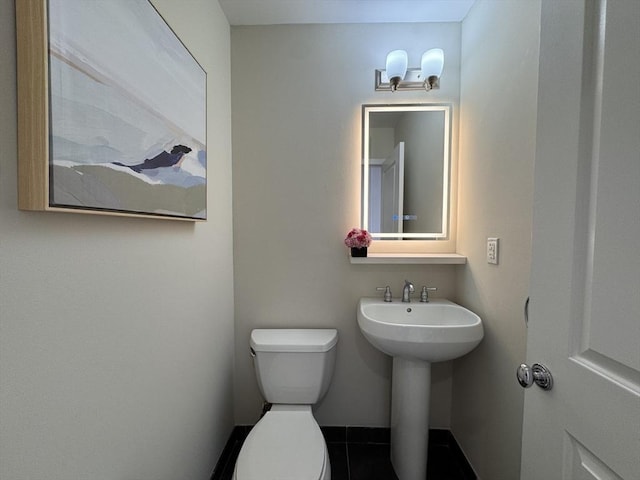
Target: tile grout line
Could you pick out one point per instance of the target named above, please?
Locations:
(346, 448)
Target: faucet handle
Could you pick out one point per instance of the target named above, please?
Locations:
(387, 292)
(424, 295)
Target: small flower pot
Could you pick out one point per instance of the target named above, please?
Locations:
(359, 252)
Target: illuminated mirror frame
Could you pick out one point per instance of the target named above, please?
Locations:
(367, 110)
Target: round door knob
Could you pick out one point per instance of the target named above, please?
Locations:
(537, 373)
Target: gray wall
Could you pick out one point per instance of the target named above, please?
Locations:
(297, 94)
(116, 344)
(500, 45)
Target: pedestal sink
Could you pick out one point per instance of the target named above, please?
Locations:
(415, 334)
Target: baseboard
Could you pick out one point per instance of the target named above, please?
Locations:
(450, 441)
(226, 461)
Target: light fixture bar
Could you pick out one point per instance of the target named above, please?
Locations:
(412, 81)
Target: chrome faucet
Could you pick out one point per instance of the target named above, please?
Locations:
(407, 291)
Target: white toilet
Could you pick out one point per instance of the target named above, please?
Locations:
(294, 369)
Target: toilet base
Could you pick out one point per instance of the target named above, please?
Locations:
(286, 444)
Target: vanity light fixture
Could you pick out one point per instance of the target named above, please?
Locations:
(397, 76)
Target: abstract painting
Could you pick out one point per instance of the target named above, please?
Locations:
(127, 112)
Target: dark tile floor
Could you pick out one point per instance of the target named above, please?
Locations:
(363, 454)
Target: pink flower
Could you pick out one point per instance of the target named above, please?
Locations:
(357, 238)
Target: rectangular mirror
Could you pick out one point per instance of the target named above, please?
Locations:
(405, 171)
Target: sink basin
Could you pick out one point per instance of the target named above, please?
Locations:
(432, 332)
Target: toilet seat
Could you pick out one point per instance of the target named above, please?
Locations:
(286, 444)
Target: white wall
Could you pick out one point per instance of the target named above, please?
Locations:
(297, 94)
(116, 343)
(500, 45)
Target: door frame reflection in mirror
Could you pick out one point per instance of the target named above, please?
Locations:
(443, 232)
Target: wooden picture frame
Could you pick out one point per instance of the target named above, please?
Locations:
(112, 127)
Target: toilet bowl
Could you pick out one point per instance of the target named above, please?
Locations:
(294, 369)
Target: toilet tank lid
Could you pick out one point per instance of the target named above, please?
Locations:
(293, 340)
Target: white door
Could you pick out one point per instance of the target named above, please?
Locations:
(584, 316)
(393, 191)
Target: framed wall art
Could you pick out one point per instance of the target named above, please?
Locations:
(111, 111)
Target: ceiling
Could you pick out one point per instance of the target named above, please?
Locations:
(273, 12)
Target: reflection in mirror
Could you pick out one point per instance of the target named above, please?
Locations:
(405, 171)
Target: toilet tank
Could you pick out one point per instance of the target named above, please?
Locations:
(294, 366)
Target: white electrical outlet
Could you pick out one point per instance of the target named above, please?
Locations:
(492, 251)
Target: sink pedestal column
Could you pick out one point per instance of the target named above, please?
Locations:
(410, 391)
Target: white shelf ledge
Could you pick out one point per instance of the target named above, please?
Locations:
(411, 258)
